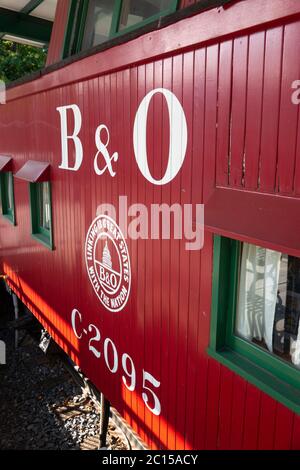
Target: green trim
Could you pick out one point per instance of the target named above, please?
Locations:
(116, 18)
(75, 27)
(7, 212)
(78, 17)
(80, 26)
(219, 297)
(38, 232)
(274, 364)
(25, 26)
(269, 373)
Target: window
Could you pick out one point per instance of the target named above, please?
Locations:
(135, 11)
(41, 213)
(99, 20)
(255, 327)
(7, 196)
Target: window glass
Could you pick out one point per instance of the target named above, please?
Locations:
(9, 180)
(7, 195)
(136, 11)
(98, 22)
(44, 205)
(41, 208)
(268, 304)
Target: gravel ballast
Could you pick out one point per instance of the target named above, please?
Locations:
(41, 407)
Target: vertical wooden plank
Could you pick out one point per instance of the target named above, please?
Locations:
(212, 404)
(184, 362)
(226, 405)
(212, 59)
(144, 414)
(252, 411)
(127, 118)
(296, 433)
(283, 428)
(200, 403)
(195, 261)
(201, 390)
(267, 419)
(270, 113)
(136, 322)
(287, 136)
(238, 412)
(239, 108)
(166, 313)
(224, 111)
(158, 129)
(211, 80)
(254, 108)
(174, 280)
(122, 116)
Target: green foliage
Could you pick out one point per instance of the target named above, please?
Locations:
(18, 60)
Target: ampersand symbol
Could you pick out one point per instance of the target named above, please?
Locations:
(102, 150)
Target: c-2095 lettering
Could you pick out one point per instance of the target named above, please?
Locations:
(107, 350)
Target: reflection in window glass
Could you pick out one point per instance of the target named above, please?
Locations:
(135, 11)
(44, 205)
(9, 191)
(268, 307)
(98, 23)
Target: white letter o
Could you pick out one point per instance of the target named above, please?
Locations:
(178, 136)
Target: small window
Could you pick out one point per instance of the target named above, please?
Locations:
(41, 213)
(7, 196)
(255, 327)
(96, 21)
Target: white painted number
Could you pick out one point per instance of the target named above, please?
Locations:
(178, 136)
(111, 359)
(114, 367)
(130, 373)
(97, 337)
(149, 378)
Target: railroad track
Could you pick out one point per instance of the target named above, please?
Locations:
(48, 401)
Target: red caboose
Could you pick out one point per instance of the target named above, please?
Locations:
(150, 119)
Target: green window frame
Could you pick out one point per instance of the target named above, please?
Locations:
(77, 21)
(7, 196)
(40, 230)
(268, 372)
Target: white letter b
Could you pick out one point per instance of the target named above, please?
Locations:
(65, 137)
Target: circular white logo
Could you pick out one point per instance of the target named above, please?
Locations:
(108, 263)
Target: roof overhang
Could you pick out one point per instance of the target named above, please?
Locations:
(27, 21)
(34, 172)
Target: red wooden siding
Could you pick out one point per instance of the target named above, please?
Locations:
(232, 86)
(262, 156)
(55, 50)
